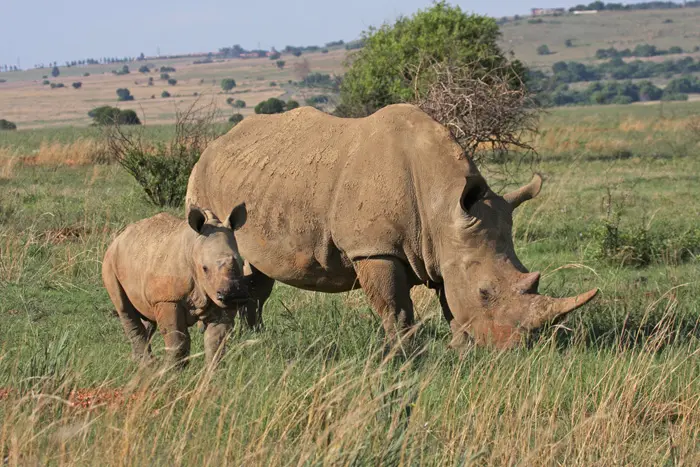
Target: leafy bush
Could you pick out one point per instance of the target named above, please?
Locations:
(543, 50)
(569, 43)
(388, 63)
(273, 83)
(124, 70)
(239, 104)
(57, 85)
(108, 115)
(227, 84)
(165, 94)
(46, 82)
(317, 100)
(77, 85)
(172, 81)
(164, 169)
(55, 72)
(280, 64)
(167, 69)
(270, 106)
(640, 246)
(123, 94)
(235, 119)
(275, 56)
(291, 104)
(7, 125)
(86, 74)
(164, 76)
(144, 69)
(150, 80)
(683, 85)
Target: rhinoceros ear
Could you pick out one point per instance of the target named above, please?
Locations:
(237, 218)
(474, 190)
(524, 193)
(196, 218)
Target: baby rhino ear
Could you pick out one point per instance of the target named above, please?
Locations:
(237, 217)
(196, 218)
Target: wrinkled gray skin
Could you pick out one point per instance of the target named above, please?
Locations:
(384, 203)
(172, 273)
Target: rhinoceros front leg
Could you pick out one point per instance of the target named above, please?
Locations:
(259, 288)
(217, 331)
(385, 282)
(172, 322)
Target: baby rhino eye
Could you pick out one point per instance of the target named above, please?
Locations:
(484, 294)
(205, 269)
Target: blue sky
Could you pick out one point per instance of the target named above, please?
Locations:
(50, 30)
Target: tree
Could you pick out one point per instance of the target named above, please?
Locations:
(77, 85)
(164, 76)
(291, 104)
(392, 59)
(275, 55)
(107, 115)
(144, 69)
(239, 104)
(164, 94)
(270, 106)
(280, 64)
(172, 81)
(7, 125)
(227, 84)
(55, 72)
(543, 50)
(569, 43)
(297, 53)
(235, 119)
(123, 94)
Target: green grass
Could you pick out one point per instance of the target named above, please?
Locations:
(617, 382)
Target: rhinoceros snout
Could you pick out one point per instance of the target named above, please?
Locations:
(238, 291)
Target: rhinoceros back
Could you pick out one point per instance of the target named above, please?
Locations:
(322, 191)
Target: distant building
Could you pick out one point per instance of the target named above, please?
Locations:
(585, 12)
(548, 11)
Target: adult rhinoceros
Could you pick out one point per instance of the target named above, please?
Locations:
(384, 203)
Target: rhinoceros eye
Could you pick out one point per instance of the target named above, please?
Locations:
(205, 269)
(485, 295)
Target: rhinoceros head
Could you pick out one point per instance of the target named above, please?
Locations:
(217, 264)
(490, 294)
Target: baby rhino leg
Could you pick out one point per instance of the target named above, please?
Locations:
(218, 328)
(128, 315)
(172, 322)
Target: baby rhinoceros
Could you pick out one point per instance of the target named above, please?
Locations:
(173, 273)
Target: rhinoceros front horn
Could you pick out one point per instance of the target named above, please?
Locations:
(545, 309)
(524, 193)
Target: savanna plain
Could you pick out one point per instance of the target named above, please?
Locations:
(616, 382)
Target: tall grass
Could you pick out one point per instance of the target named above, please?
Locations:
(616, 382)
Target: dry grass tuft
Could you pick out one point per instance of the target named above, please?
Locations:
(83, 151)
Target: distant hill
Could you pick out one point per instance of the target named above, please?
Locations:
(587, 33)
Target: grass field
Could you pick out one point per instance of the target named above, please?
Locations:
(25, 101)
(601, 31)
(617, 382)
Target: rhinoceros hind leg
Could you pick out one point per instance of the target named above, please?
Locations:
(385, 282)
(128, 315)
(260, 288)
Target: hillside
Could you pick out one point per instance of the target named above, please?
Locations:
(30, 104)
(624, 29)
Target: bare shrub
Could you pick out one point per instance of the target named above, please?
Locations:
(162, 169)
(489, 113)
